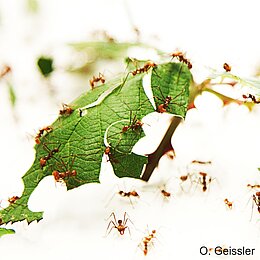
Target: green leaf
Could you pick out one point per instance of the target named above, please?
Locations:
(12, 95)
(45, 65)
(172, 80)
(106, 118)
(4, 231)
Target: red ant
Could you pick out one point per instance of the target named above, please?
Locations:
(134, 125)
(5, 71)
(128, 194)
(226, 67)
(96, 79)
(181, 57)
(201, 162)
(111, 158)
(252, 97)
(165, 193)
(256, 186)
(66, 110)
(256, 199)
(13, 199)
(147, 240)
(46, 158)
(228, 203)
(120, 225)
(47, 129)
(203, 181)
(162, 108)
(145, 68)
(60, 176)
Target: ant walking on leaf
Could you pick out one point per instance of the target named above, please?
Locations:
(119, 225)
(40, 133)
(94, 80)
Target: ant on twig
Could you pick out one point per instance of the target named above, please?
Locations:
(120, 225)
(94, 80)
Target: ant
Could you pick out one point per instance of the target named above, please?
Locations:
(256, 199)
(226, 67)
(147, 66)
(5, 71)
(203, 180)
(165, 193)
(120, 225)
(228, 203)
(60, 176)
(256, 186)
(96, 79)
(47, 129)
(162, 108)
(128, 194)
(201, 162)
(111, 158)
(252, 97)
(181, 57)
(66, 110)
(147, 240)
(13, 199)
(134, 125)
(51, 153)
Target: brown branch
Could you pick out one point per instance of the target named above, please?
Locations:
(153, 158)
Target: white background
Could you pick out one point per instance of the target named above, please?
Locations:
(211, 33)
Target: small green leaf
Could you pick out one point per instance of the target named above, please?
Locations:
(4, 231)
(12, 95)
(45, 65)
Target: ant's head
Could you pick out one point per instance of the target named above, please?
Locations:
(120, 222)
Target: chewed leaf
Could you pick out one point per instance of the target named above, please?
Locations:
(71, 149)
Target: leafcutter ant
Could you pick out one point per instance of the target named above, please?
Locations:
(252, 97)
(13, 199)
(201, 162)
(7, 69)
(256, 199)
(94, 80)
(66, 110)
(203, 180)
(226, 67)
(46, 158)
(181, 57)
(147, 66)
(228, 203)
(120, 225)
(256, 186)
(46, 129)
(146, 241)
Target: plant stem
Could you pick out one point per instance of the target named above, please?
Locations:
(153, 158)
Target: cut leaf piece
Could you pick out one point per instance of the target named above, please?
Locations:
(5, 231)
